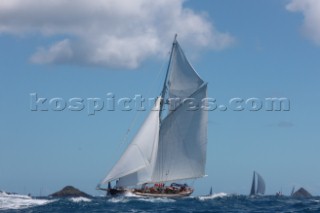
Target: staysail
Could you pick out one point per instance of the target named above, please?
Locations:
(137, 161)
(172, 148)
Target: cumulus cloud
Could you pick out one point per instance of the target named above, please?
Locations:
(108, 32)
(311, 12)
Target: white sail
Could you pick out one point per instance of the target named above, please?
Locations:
(183, 79)
(139, 153)
(183, 133)
(261, 186)
(176, 149)
(253, 185)
(257, 187)
(183, 143)
(144, 175)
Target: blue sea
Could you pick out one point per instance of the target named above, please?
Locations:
(219, 202)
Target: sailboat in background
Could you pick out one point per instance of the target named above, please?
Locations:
(210, 192)
(258, 186)
(170, 146)
(292, 191)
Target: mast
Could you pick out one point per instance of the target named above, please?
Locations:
(163, 92)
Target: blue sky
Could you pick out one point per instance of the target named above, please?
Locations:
(250, 48)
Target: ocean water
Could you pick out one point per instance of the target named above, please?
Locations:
(219, 202)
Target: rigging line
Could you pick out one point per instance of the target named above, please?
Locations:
(137, 114)
(125, 137)
(163, 92)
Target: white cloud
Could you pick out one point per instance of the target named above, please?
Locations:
(311, 12)
(108, 32)
(59, 52)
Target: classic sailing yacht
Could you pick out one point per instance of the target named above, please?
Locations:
(167, 148)
(258, 188)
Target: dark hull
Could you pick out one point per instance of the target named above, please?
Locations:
(170, 195)
(117, 192)
(121, 192)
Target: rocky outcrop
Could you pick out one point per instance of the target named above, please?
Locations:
(69, 191)
(301, 193)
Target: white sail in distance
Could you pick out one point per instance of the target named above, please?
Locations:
(257, 187)
(261, 187)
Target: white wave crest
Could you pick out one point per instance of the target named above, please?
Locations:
(124, 198)
(157, 200)
(118, 200)
(16, 201)
(213, 196)
(130, 194)
(79, 199)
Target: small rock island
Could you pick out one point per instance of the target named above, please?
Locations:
(70, 191)
(301, 193)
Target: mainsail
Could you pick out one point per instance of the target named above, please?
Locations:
(182, 143)
(258, 188)
(261, 187)
(172, 148)
(183, 133)
(253, 185)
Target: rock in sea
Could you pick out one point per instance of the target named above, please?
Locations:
(70, 191)
(301, 193)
